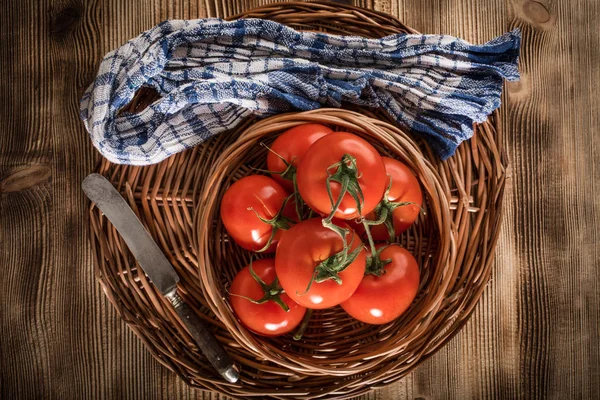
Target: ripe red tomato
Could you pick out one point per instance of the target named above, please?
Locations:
(268, 318)
(300, 252)
(381, 299)
(314, 167)
(292, 145)
(405, 189)
(239, 207)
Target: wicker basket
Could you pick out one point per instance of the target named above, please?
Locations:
(178, 198)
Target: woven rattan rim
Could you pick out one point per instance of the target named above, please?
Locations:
(177, 200)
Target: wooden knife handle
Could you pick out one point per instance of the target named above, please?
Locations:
(207, 342)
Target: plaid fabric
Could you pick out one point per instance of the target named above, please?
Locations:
(211, 74)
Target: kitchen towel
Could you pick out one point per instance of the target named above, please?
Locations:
(211, 74)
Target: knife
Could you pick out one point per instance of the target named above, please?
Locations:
(157, 268)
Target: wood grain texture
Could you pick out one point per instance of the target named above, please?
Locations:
(535, 332)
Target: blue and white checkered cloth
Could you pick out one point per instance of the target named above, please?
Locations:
(211, 74)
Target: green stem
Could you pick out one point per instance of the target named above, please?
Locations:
(369, 237)
(303, 325)
(327, 222)
(382, 214)
(331, 267)
(337, 229)
(298, 202)
(387, 207)
(288, 173)
(271, 291)
(335, 205)
(279, 221)
(347, 176)
(375, 265)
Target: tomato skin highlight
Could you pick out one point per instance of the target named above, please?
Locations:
(265, 196)
(405, 188)
(267, 319)
(313, 171)
(381, 299)
(292, 145)
(301, 249)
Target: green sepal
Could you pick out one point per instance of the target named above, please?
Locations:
(272, 292)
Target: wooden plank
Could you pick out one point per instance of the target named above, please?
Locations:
(554, 117)
(25, 209)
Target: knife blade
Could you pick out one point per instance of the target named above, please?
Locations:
(156, 266)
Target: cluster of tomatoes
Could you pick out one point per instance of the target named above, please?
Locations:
(329, 211)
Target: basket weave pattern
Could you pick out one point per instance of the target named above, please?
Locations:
(177, 200)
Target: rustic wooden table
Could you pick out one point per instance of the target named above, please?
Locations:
(535, 333)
